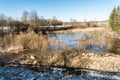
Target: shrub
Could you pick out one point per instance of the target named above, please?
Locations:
(29, 41)
(115, 48)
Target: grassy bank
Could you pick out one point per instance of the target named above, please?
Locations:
(72, 31)
(38, 53)
(23, 41)
(69, 58)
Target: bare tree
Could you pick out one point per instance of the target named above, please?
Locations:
(3, 19)
(34, 20)
(54, 21)
(25, 17)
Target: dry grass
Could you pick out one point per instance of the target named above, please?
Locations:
(97, 61)
(98, 38)
(72, 31)
(6, 41)
(29, 41)
(70, 58)
(75, 59)
(115, 47)
(105, 61)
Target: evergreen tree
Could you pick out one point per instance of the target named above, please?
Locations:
(114, 20)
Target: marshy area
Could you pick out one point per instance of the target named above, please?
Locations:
(85, 54)
(59, 39)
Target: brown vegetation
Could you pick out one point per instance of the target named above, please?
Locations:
(70, 58)
(39, 54)
(24, 41)
(115, 48)
(75, 30)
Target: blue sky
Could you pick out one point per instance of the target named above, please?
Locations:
(62, 9)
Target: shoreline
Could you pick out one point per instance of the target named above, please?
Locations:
(71, 59)
(22, 39)
(89, 29)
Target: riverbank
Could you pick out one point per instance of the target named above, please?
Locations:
(70, 64)
(20, 73)
(89, 29)
(23, 41)
(70, 58)
(31, 40)
(39, 62)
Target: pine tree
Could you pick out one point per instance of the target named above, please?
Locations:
(114, 20)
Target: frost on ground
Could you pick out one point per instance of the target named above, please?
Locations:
(20, 73)
(80, 66)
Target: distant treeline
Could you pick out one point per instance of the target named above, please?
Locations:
(28, 20)
(31, 21)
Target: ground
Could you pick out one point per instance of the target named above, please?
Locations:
(84, 65)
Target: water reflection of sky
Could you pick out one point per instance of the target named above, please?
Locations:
(73, 40)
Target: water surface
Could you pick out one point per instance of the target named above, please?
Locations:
(82, 40)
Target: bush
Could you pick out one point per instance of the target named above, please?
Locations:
(115, 46)
(29, 41)
(32, 41)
